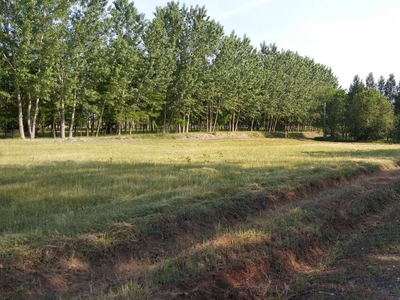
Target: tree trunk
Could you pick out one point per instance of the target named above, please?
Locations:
(199, 124)
(264, 121)
(28, 117)
(210, 118)
(188, 122)
(91, 124)
(32, 124)
(275, 124)
(62, 119)
(71, 125)
(100, 119)
(130, 127)
(286, 130)
(165, 118)
(61, 110)
(237, 121)
(35, 114)
(215, 121)
(87, 127)
(53, 127)
(20, 115)
(269, 123)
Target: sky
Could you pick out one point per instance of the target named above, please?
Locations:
(352, 37)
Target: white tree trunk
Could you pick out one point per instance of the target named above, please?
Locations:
(20, 115)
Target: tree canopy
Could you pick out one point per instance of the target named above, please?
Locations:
(87, 67)
(371, 114)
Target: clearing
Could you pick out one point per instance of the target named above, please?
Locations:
(224, 217)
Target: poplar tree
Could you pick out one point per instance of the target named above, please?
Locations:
(356, 87)
(209, 95)
(107, 68)
(381, 85)
(16, 38)
(390, 88)
(30, 30)
(85, 35)
(174, 26)
(195, 48)
(125, 47)
(370, 81)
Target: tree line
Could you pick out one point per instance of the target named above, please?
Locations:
(369, 110)
(85, 67)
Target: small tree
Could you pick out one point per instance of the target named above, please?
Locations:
(370, 116)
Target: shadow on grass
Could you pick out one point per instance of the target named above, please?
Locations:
(350, 140)
(389, 154)
(291, 135)
(81, 217)
(73, 197)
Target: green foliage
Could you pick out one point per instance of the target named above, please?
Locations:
(293, 87)
(371, 116)
(336, 112)
(356, 87)
(381, 85)
(104, 68)
(370, 81)
(108, 67)
(390, 88)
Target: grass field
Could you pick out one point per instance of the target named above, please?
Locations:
(151, 217)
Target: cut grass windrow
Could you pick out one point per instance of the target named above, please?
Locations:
(88, 227)
(272, 255)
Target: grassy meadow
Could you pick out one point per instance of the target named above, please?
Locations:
(155, 208)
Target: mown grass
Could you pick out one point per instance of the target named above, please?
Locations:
(48, 185)
(281, 254)
(109, 193)
(365, 263)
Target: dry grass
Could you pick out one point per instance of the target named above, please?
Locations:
(129, 218)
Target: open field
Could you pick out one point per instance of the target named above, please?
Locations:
(188, 217)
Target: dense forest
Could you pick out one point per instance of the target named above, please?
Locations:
(84, 67)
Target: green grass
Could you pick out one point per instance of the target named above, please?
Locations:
(366, 260)
(98, 196)
(49, 185)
